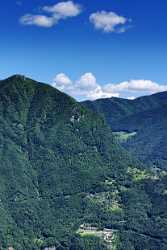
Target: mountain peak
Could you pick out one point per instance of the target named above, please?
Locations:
(18, 77)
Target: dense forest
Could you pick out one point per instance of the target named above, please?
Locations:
(140, 125)
(66, 183)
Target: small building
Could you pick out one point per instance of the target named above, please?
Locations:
(50, 248)
(108, 235)
(10, 248)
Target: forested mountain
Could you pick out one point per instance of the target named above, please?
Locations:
(140, 124)
(65, 183)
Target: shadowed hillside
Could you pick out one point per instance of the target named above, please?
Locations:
(144, 116)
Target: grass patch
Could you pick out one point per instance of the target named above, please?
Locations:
(139, 175)
(123, 136)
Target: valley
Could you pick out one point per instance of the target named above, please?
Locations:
(139, 125)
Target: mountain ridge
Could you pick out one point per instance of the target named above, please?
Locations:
(61, 168)
(145, 115)
(50, 147)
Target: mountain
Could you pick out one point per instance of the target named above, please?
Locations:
(140, 124)
(65, 183)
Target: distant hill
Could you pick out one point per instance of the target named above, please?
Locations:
(65, 183)
(146, 117)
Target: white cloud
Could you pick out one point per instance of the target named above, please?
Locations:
(131, 97)
(55, 13)
(87, 87)
(99, 93)
(109, 21)
(62, 81)
(136, 86)
(87, 81)
(38, 20)
(84, 88)
(64, 9)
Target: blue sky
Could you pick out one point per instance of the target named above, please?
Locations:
(89, 49)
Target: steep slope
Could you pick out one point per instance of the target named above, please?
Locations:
(64, 179)
(53, 152)
(145, 118)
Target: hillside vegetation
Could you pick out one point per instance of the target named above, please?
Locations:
(145, 116)
(61, 168)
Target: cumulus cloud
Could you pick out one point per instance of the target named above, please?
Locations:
(87, 87)
(62, 81)
(64, 9)
(109, 21)
(52, 14)
(87, 81)
(136, 86)
(38, 20)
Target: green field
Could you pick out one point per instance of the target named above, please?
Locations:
(123, 136)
